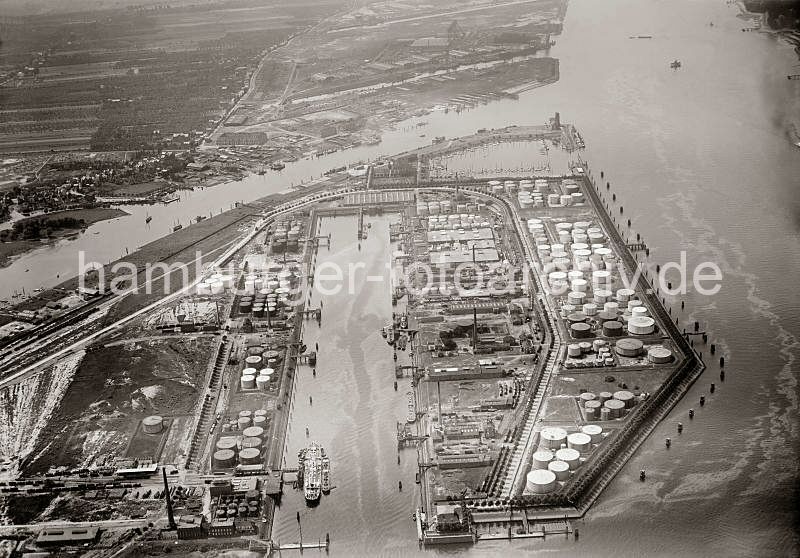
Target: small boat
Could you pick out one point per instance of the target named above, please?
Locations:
(148, 219)
(200, 218)
(277, 166)
(326, 475)
(177, 227)
(675, 64)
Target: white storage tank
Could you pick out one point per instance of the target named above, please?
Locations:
(553, 436)
(594, 431)
(253, 432)
(560, 469)
(152, 424)
(262, 382)
(541, 458)
(541, 481)
(574, 350)
(624, 295)
(250, 456)
(659, 355)
(248, 382)
(579, 441)
(570, 456)
(641, 325)
(638, 311)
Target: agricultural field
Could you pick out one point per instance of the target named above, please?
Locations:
(135, 78)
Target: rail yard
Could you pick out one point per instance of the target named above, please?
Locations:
(533, 367)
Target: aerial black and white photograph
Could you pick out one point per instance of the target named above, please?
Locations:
(399, 278)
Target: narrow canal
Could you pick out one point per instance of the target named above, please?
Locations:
(355, 406)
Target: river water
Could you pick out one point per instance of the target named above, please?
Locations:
(700, 159)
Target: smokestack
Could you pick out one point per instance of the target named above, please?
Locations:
(170, 515)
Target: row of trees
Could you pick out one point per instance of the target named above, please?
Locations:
(31, 229)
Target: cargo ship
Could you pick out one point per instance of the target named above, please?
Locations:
(312, 472)
(412, 408)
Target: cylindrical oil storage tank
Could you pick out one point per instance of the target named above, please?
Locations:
(541, 481)
(152, 424)
(601, 277)
(249, 372)
(604, 396)
(612, 328)
(248, 382)
(580, 330)
(243, 422)
(594, 431)
(598, 344)
(248, 442)
(585, 346)
(246, 413)
(260, 420)
(615, 407)
(605, 414)
(591, 414)
(601, 296)
(624, 295)
(659, 355)
(629, 347)
(590, 309)
(552, 199)
(560, 469)
(553, 436)
(541, 458)
(245, 307)
(253, 361)
(250, 456)
(594, 405)
(642, 325)
(626, 397)
(570, 456)
(633, 303)
(574, 350)
(260, 413)
(254, 432)
(224, 459)
(611, 307)
(639, 311)
(262, 382)
(576, 298)
(586, 396)
(227, 443)
(579, 441)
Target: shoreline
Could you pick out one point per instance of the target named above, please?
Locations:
(11, 250)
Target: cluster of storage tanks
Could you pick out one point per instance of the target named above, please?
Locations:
(580, 267)
(457, 222)
(234, 505)
(600, 349)
(559, 454)
(266, 293)
(247, 449)
(606, 405)
(246, 419)
(214, 284)
(257, 376)
(436, 208)
(286, 235)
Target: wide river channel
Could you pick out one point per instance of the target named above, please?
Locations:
(701, 161)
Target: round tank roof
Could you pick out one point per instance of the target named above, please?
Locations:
(153, 420)
(592, 429)
(543, 455)
(612, 324)
(541, 476)
(568, 454)
(577, 317)
(224, 455)
(623, 395)
(253, 432)
(226, 443)
(553, 433)
(558, 466)
(250, 453)
(614, 404)
(630, 344)
(580, 326)
(579, 438)
(641, 321)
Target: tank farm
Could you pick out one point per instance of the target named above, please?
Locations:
(527, 390)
